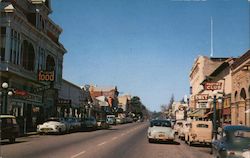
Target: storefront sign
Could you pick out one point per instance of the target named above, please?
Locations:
(46, 75)
(39, 89)
(21, 92)
(213, 86)
(201, 97)
(63, 102)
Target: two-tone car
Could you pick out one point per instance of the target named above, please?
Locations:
(53, 125)
(234, 143)
(160, 130)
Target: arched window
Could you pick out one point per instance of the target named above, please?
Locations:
(249, 91)
(50, 63)
(243, 94)
(236, 96)
(28, 56)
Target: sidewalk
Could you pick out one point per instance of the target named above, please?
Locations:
(28, 134)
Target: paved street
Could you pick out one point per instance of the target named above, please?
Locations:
(123, 141)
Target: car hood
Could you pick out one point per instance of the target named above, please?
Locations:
(52, 123)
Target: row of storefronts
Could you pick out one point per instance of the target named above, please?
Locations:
(224, 82)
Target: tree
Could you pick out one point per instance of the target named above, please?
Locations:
(171, 101)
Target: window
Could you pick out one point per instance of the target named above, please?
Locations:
(28, 56)
(2, 43)
(202, 125)
(242, 134)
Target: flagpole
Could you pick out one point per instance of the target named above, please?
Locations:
(212, 47)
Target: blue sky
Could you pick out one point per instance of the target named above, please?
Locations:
(146, 47)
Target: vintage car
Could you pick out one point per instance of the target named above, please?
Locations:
(89, 123)
(234, 143)
(199, 132)
(160, 130)
(74, 123)
(9, 128)
(184, 130)
(178, 126)
(54, 125)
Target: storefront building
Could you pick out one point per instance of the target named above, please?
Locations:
(70, 100)
(201, 69)
(31, 61)
(241, 90)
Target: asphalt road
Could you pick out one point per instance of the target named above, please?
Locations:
(121, 141)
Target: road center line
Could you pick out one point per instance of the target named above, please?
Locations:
(76, 155)
(102, 143)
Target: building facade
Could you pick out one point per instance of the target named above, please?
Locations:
(31, 60)
(70, 101)
(202, 67)
(241, 90)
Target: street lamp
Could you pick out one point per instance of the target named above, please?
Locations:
(6, 92)
(214, 116)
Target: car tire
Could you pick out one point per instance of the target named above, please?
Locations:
(150, 140)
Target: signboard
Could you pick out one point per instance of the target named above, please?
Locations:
(63, 102)
(46, 75)
(39, 89)
(21, 92)
(213, 86)
(201, 97)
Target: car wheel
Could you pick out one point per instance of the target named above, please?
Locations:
(189, 142)
(12, 139)
(150, 140)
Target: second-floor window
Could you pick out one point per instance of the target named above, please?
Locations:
(28, 56)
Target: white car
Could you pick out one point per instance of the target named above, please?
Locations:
(160, 130)
(184, 130)
(53, 125)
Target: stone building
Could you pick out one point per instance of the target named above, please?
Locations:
(202, 67)
(222, 74)
(241, 90)
(31, 60)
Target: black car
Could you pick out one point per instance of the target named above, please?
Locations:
(9, 128)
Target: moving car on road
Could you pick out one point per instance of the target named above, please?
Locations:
(235, 142)
(160, 130)
(9, 128)
(199, 132)
(53, 125)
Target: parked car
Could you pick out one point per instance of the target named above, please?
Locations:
(74, 123)
(54, 125)
(184, 129)
(178, 125)
(160, 130)
(102, 124)
(9, 128)
(119, 120)
(89, 123)
(234, 142)
(199, 132)
(111, 119)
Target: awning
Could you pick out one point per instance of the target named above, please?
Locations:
(197, 113)
(207, 114)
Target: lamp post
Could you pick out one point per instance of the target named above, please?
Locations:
(214, 117)
(6, 92)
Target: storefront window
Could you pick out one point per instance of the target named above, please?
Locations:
(2, 43)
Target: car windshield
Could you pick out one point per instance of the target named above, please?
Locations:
(161, 123)
(54, 119)
(242, 134)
